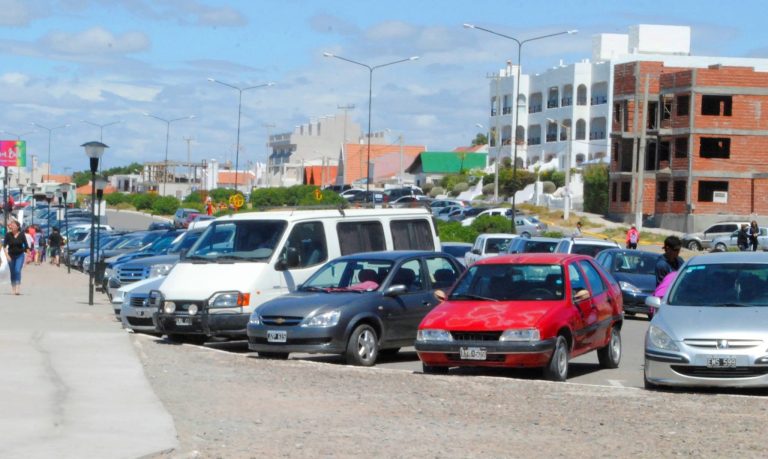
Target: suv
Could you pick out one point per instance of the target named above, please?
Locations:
(585, 245)
(181, 217)
(703, 240)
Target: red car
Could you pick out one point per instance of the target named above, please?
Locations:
(522, 311)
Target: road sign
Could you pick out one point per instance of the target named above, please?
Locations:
(318, 194)
(237, 200)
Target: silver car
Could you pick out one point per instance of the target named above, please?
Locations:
(711, 327)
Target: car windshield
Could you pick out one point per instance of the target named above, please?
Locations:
(250, 240)
(77, 237)
(635, 263)
(496, 244)
(538, 246)
(588, 249)
(185, 241)
(501, 282)
(161, 244)
(349, 275)
(723, 284)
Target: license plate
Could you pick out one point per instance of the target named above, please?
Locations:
(183, 321)
(277, 336)
(472, 353)
(721, 362)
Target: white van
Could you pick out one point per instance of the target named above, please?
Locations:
(243, 260)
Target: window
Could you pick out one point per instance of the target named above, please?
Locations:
(576, 279)
(409, 274)
(653, 108)
(716, 105)
(650, 155)
(617, 112)
(678, 190)
(412, 235)
(707, 188)
(681, 147)
(614, 191)
(442, 274)
(308, 239)
(593, 277)
(663, 151)
(683, 105)
(625, 191)
(666, 112)
(356, 237)
(615, 148)
(662, 189)
(715, 147)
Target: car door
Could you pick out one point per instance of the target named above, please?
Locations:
(403, 317)
(586, 317)
(601, 303)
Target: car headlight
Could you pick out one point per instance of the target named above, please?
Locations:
(169, 307)
(629, 287)
(155, 299)
(160, 270)
(660, 339)
(229, 300)
(192, 309)
(254, 320)
(108, 272)
(433, 335)
(327, 319)
(525, 334)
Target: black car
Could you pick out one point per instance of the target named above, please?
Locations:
(160, 226)
(635, 271)
(533, 245)
(358, 305)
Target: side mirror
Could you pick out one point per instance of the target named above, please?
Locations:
(653, 302)
(289, 260)
(395, 290)
(476, 251)
(440, 295)
(581, 295)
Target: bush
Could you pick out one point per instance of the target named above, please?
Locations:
(556, 177)
(454, 232)
(548, 187)
(493, 224)
(144, 201)
(221, 194)
(426, 188)
(556, 234)
(298, 195)
(460, 188)
(193, 197)
(125, 206)
(436, 191)
(596, 189)
(113, 199)
(165, 205)
(489, 189)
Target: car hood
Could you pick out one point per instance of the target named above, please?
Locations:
(131, 256)
(645, 282)
(486, 315)
(149, 261)
(302, 304)
(696, 322)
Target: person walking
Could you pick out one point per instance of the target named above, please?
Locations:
(30, 243)
(55, 241)
(42, 249)
(633, 236)
(577, 231)
(16, 248)
(754, 233)
(670, 260)
(36, 248)
(742, 239)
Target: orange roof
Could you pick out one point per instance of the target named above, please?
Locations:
(470, 149)
(85, 190)
(354, 163)
(58, 178)
(228, 177)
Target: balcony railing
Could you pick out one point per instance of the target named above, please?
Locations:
(552, 103)
(493, 112)
(534, 140)
(563, 136)
(597, 100)
(506, 110)
(596, 135)
(581, 101)
(534, 109)
(551, 137)
(566, 101)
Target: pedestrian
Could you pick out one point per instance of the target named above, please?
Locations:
(42, 249)
(632, 237)
(16, 248)
(55, 242)
(209, 206)
(670, 260)
(754, 233)
(577, 231)
(30, 244)
(36, 248)
(742, 239)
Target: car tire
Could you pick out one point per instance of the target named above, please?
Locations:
(363, 346)
(274, 355)
(610, 355)
(557, 368)
(433, 370)
(526, 235)
(720, 247)
(693, 245)
(647, 385)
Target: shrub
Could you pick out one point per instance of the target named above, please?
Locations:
(556, 177)
(596, 189)
(221, 194)
(460, 188)
(113, 199)
(548, 187)
(125, 206)
(489, 189)
(557, 234)
(297, 195)
(436, 191)
(165, 205)
(454, 232)
(144, 201)
(426, 188)
(493, 224)
(193, 197)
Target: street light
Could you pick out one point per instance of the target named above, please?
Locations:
(63, 191)
(567, 198)
(48, 198)
(50, 130)
(94, 150)
(239, 112)
(167, 136)
(520, 44)
(96, 257)
(370, 100)
(101, 131)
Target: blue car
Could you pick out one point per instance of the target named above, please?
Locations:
(635, 271)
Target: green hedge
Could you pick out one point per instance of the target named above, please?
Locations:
(165, 205)
(455, 232)
(297, 195)
(596, 189)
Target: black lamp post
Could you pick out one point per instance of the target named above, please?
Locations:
(100, 185)
(94, 151)
(48, 199)
(66, 223)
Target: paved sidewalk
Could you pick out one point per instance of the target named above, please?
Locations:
(71, 384)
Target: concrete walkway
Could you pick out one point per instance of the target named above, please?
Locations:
(71, 384)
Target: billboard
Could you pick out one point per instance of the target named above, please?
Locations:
(13, 153)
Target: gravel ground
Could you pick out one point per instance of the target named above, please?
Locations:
(234, 405)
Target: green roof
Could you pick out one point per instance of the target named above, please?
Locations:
(447, 162)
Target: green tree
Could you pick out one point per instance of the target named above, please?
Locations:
(493, 224)
(596, 189)
(480, 139)
(193, 198)
(143, 201)
(556, 177)
(114, 199)
(165, 205)
(221, 194)
(455, 232)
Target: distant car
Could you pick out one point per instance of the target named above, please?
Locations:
(160, 226)
(350, 193)
(635, 271)
(584, 245)
(358, 305)
(395, 193)
(457, 249)
(529, 225)
(375, 197)
(494, 211)
(488, 245)
(710, 328)
(438, 204)
(532, 245)
(181, 217)
(410, 201)
(723, 243)
(450, 213)
(535, 310)
(703, 240)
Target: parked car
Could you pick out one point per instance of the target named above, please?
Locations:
(135, 313)
(532, 245)
(410, 201)
(488, 245)
(375, 197)
(350, 193)
(395, 193)
(723, 243)
(529, 225)
(160, 226)
(457, 250)
(450, 213)
(703, 240)
(635, 271)
(527, 310)
(711, 327)
(493, 212)
(584, 245)
(358, 306)
(439, 204)
(182, 217)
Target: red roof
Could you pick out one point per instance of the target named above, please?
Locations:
(228, 177)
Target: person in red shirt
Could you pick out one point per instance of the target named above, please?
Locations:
(633, 236)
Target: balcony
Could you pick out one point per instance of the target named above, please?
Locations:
(597, 135)
(534, 140)
(597, 100)
(493, 112)
(506, 110)
(534, 109)
(552, 103)
(551, 137)
(581, 101)
(566, 101)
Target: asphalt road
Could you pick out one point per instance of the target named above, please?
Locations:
(130, 221)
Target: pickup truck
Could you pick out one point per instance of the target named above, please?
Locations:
(488, 245)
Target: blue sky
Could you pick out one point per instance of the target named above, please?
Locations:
(64, 61)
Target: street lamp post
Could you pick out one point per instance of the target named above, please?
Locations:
(101, 132)
(239, 112)
(64, 194)
(567, 197)
(94, 151)
(167, 137)
(50, 130)
(96, 257)
(48, 199)
(370, 101)
(520, 44)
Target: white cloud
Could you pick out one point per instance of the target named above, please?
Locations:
(96, 40)
(18, 13)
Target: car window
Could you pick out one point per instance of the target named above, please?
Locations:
(593, 277)
(410, 275)
(343, 274)
(720, 229)
(588, 249)
(496, 245)
(576, 279)
(442, 274)
(308, 239)
(510, 282)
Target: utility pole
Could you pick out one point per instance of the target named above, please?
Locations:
(641, 162)
(189, 162)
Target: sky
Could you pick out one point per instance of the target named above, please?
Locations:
(81, 63)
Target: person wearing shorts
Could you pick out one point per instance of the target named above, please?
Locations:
(54, 243)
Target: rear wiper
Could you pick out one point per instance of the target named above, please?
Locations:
(472, 297)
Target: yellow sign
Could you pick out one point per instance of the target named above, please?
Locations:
(237, 200)
(318, 195)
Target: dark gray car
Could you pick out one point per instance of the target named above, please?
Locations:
(356, 305)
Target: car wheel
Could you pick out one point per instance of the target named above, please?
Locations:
(557, 368)
(363, 346)
(274, 355)
(526, 235)
(720, 247)
(432, 370)
(610, 355)
(694, 245)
